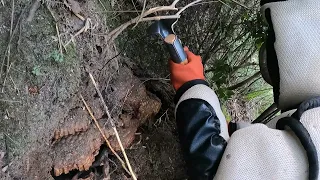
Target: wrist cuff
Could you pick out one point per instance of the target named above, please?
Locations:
(187, 86)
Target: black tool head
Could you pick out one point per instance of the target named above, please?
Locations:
(162, 27)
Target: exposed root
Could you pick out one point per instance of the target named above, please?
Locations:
(83, 29)
(103, 134)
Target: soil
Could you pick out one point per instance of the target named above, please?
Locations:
(45, 130)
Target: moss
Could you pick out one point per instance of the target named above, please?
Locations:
(71, 54)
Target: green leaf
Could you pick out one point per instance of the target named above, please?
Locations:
(258, 93)
(57, 56)
(36, 71)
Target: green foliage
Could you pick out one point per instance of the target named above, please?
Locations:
(225, 113)
(57, 56)
(258, 93)
(36, 71)
(230, 53)
(221, 73)
(224, 94)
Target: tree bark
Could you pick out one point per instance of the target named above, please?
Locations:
(244, 82)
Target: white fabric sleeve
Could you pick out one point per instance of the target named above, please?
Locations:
(203, 92)
(261, 153)
(296, 25)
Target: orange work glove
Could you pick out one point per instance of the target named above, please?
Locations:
(182, 73)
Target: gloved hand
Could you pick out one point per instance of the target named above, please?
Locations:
(182, 73)
(293, 56)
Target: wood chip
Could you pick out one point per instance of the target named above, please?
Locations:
(4, 169)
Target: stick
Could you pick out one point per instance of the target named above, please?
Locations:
(132, 21)
(83, 29)
(116, 32)
(187, 6)
(134, 5)
(33, 10)
(143, 10)
(120, 11)
(52, 14)
(5, 100)
(105, 9)
(113, 127)
(59, 39)
(10, 40)
(143, 17)
(9, 49)
(5, 78)
(11, 29)
(104, 136)
(239, 4)
(201, 3)
(14, 85)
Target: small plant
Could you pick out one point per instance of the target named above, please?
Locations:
(263, 92)
(57, 56)
(36, 71)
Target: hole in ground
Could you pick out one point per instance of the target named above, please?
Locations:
(99, 49)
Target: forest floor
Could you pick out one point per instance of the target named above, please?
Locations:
(45, 130)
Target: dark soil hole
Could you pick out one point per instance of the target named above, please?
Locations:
(99, 49)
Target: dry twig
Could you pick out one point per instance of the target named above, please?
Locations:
(103, 6)
(33, 9)
(113, 127)
(59, 40)
(143, 10)
(51, 12)
(8, 52)
(83, 29)
(143, 17)
(134, 5)
(239, 4)
(104, 136)
(10, 101)
(145, 13)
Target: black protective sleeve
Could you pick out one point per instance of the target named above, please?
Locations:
(199, 129)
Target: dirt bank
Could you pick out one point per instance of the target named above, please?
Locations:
(45, 130)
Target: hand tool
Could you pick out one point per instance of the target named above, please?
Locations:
(164, 28)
